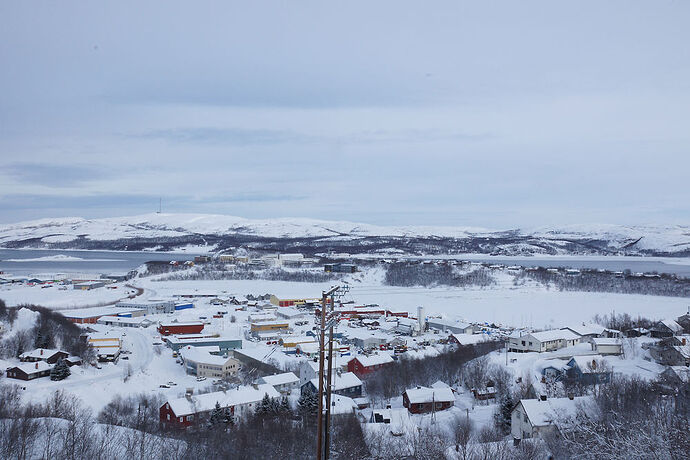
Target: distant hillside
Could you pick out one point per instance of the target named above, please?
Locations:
(208, 233)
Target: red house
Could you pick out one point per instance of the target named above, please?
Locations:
(363, 365)
(422, 400)
(180, 328)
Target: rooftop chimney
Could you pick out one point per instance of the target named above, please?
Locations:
(41, 351)
(36, 364)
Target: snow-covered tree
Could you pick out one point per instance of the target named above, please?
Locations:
(60, 371)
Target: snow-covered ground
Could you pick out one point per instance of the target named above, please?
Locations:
(647, 237)
(519, 306)
(61, 297)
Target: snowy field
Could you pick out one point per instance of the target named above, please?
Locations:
(57, 298)
(528, 305)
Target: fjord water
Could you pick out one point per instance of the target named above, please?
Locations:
(29, 261)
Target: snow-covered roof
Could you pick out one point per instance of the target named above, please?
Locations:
(234, 397)
(672, 325)
(606, 341)
(586, 329)
(342, 381)
(289, 312)
(373, 360)
(449, 323)
(439, 384)
(542, 413)
(342, 404)
(683, 372)
(584, 363)
(280, 379)
(469, 339)
(684, 350)
(202, 355)
(123, 320)
(32, 368)
(555, 334)
(190, 323)
(40, 353)
(422, 395)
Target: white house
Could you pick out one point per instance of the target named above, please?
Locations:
(241, 401)
(308, 370)
(606, 346)
(533, 417)
(283, 383)
(543, 341)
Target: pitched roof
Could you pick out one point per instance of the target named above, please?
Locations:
(542, 413)
(342, 381)
(206, 402)
(555, 334)
(584, 363)
(40, 353)
(373, 360)
(683, 372)
(32, 368)
(280, 379)
(422, 395)
(586, 329)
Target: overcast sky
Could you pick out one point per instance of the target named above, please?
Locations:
(495, 114)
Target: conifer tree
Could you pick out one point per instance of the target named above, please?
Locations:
(60, 371)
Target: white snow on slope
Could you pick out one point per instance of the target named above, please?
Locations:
(656, 237)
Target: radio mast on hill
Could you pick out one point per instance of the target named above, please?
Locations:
(160, 205)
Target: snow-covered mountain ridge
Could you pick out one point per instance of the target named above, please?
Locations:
(170, 231)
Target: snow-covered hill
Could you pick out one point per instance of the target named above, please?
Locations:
(170, 231)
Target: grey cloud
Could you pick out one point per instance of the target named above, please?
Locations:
(55, 175)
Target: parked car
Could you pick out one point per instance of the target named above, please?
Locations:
(200, 379)
(124, 357)
(172, 384)
(163, 385)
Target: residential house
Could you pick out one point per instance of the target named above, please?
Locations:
(193, 409)
(543, 341)
(284, 383)
(676, 375)
(421, 400)
(684, 322)
(43, 354)
(29, 371)
(589, 370)
(345, 384)
(587, 331)
(362, 365)
(666, 328)
(539, 417)
(607, 346)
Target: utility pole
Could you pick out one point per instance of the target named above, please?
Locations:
(322, 447)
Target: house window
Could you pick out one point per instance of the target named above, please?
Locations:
(168, 416)
(523, 343)
(190, 418)
(420, 406)
(530, 343)
(181, 419)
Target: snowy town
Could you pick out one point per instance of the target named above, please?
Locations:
(214, 356)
